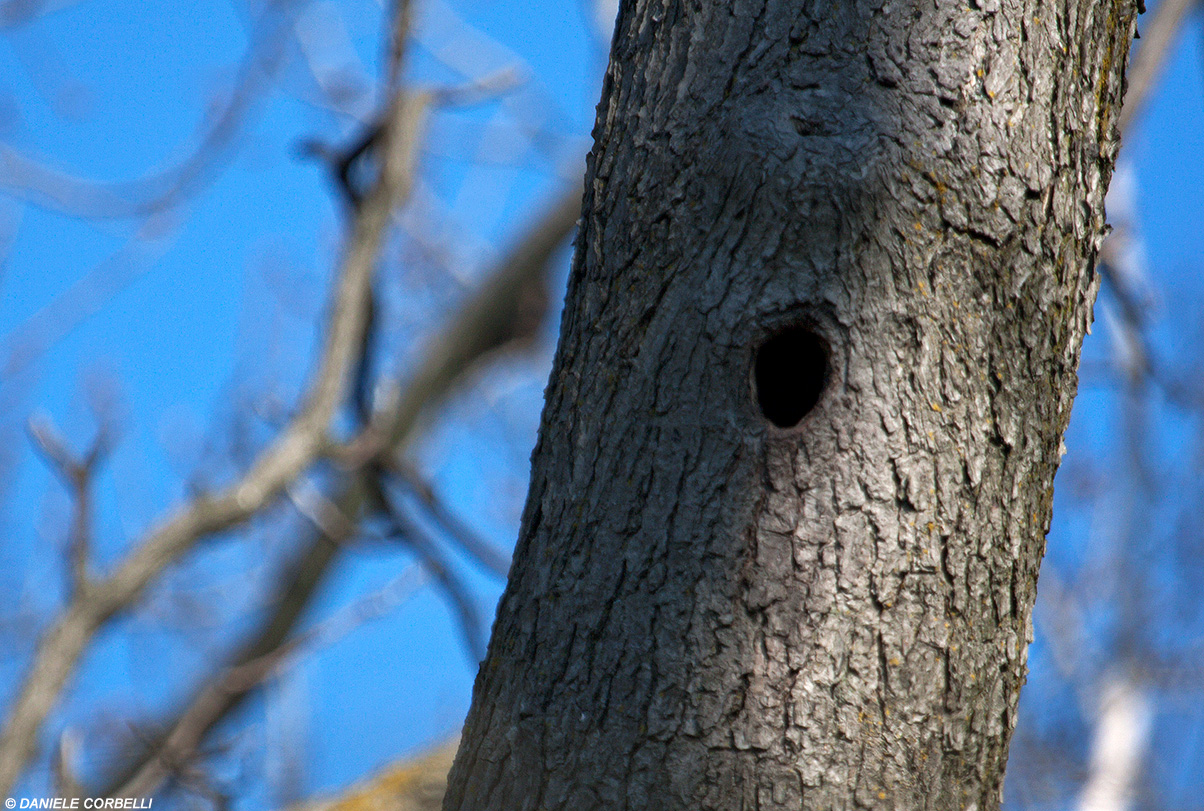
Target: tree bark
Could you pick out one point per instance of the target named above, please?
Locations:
(707, 610)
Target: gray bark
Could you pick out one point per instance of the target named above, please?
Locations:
(707, 611)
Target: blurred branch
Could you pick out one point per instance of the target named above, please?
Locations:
(328, 516)
(1156, 41)
(179, 746)
(1117, 263)
(488, 320)
(483, 552)
(27, 342)
(77, 474)
(432, 560)
(1124, 718)
(1123, 708)
(26, 177)
(399, 36)
(483, 89)
(298, 583)
(343, 164)
(303, 440)
(16, 13)
(66, 781)
(452, 354)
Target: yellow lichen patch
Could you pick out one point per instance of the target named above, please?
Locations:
(412, 785)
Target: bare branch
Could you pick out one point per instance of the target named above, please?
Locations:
(454, 351)
(294, 451)
(1156, 41)
(322, 512)
(484, 89)
(399, 35)
(298, 583)
(486, 321)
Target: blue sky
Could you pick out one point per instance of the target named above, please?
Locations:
(220, 305)
(217, 308)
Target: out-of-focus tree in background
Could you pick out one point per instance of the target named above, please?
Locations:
(279, 286)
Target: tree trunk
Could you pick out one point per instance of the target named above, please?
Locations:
(795, 468)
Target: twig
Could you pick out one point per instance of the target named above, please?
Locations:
(300, 444)
(343, 163)
(399, 37)
(77, 475)
(484, 89)
(481, 550)
(432, 560)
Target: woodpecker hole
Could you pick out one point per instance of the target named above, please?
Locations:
(789, 375)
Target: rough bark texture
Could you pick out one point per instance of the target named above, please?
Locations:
(709, 612)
